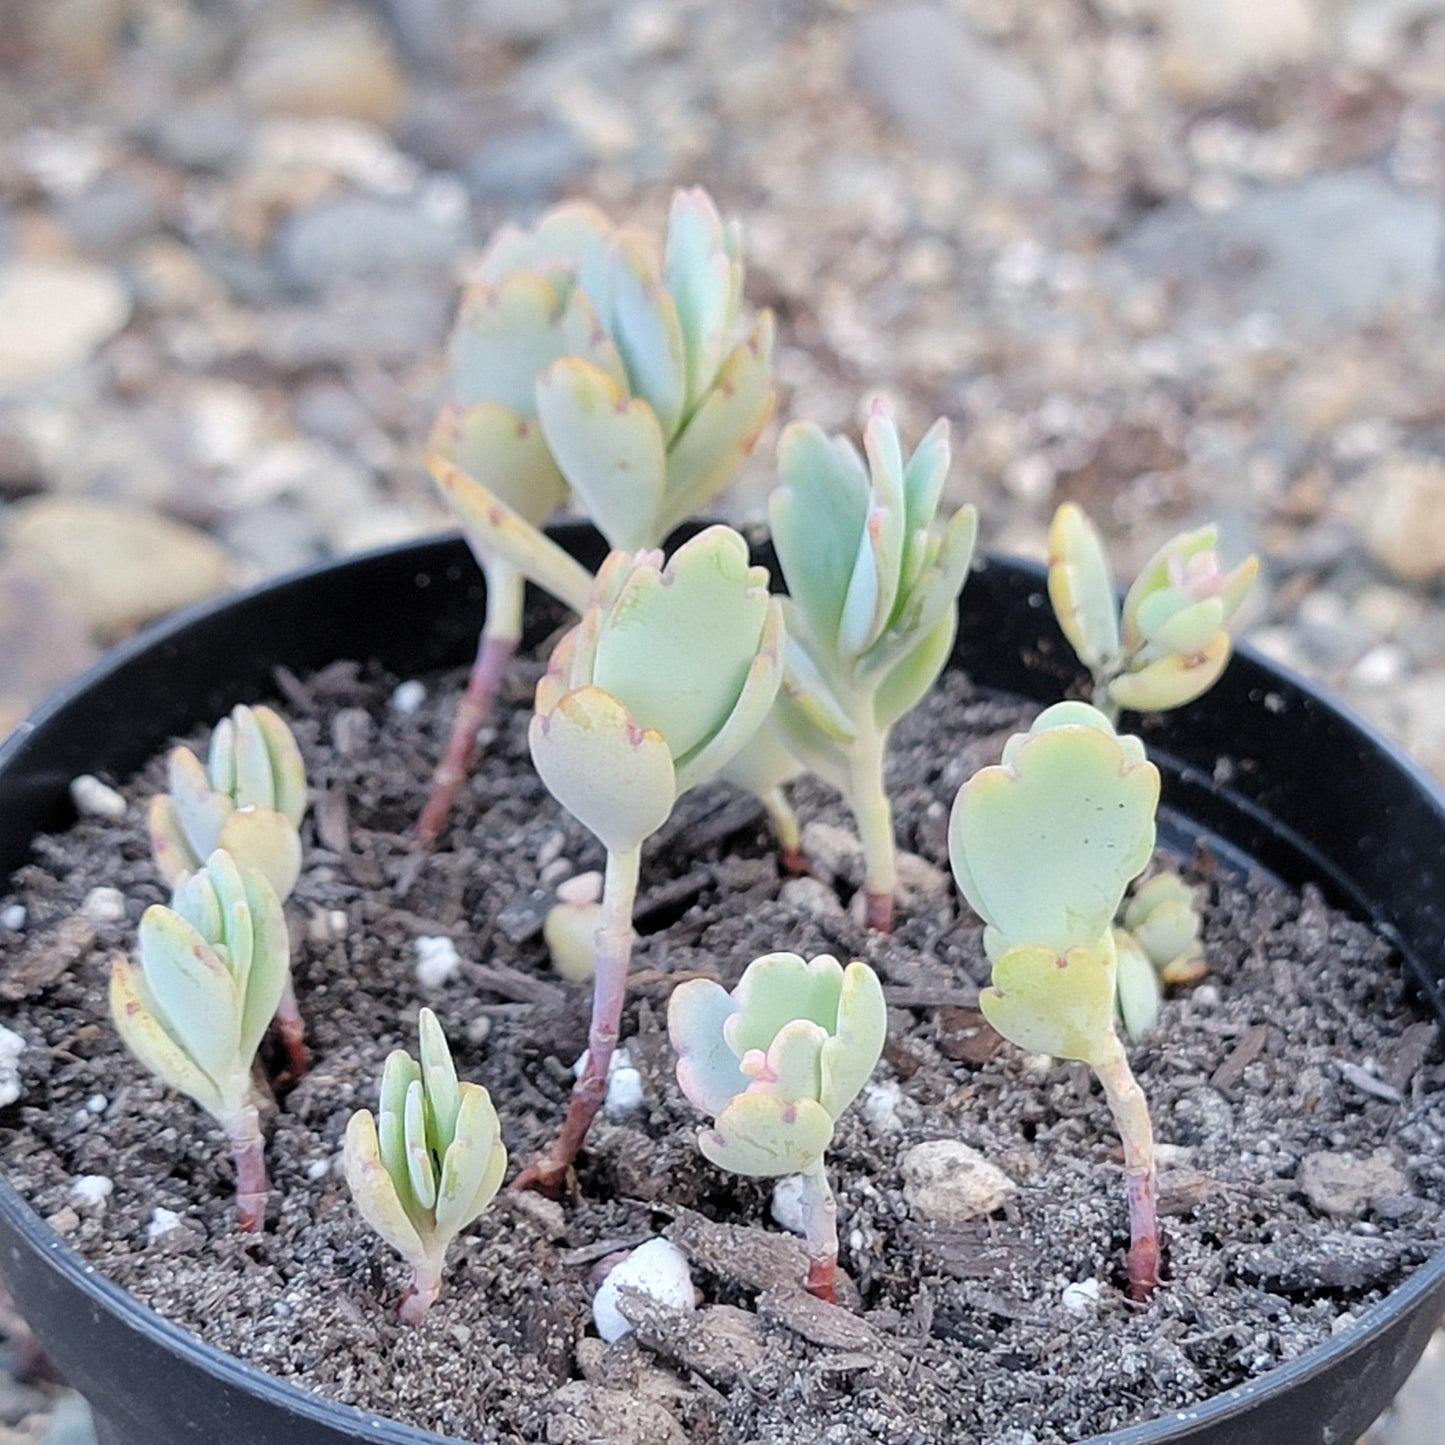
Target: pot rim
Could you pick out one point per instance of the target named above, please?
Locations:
(224, 1367)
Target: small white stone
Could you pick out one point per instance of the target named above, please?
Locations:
(96, 1105)
(163, 1221)
(318, 1169)
(880, 1107)
(13, 917)
(787, 1207)
(947, 1181)
(624, 1091)
(479, 1030)
(437, 961)
(657, 1269)
(1081, 1297)
(95, 799)
(12, 1045)
(104, 905)
(408, 697)
(92, 1189)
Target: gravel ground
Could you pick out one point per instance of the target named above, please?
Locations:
(1170, 259)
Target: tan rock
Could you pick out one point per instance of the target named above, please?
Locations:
(57, 314)
(1343, 1185)
(43, 640)
(340, 65)
(947, 1182)
(1405, 516)
(1211, 45)
(118, 563)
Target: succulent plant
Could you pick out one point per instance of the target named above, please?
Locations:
(1172, 641)
(427, 1164)
(570, 928)
(248, 799)
(873, 588)
(584, 359)
(1159, 943)
(670, 671)
(194, 1006)
(1043, 846)
(775, 1062)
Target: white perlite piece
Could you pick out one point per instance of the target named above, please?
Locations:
(437, 961)
(11, 1047)
(95, 799)
(408, 697)
(787, 1206)
(93, 1189)
(947, 1181)
(163, 1221)
(13, 917)
(104, 905)
(657, 1269)
(624, 1084)
(1081, 1298)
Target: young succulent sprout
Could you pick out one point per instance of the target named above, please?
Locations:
(764, 768)
(248, 799)
(1043, 847)
(775, 1062)
(1159, 943)
(1172, 641)
(873, 587)
(570, 928)
(667, 675)
(584, 359)
(194, 1007)
(427, 1164)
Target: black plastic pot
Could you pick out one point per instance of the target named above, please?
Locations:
(1264, 764)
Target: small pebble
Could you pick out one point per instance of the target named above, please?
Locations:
(318, 1169)
(437, 961)
(479, 1030)
(93, 1189)
(162, 1222)
(13, 917)
(947, 1181)
(880, 1107)
(657, 1269)
(96, 1104)
(787, 1206)
(95, 799)
(1081, 1298)
(624, 1092)
(12, 1045)
(104, 905)
(408, 697)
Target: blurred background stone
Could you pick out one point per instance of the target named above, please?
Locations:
(1172, 259)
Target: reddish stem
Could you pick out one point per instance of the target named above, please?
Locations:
(1143, 1259)
(292, 1028)
(822, 1279)
(820, 1223)
(421, 1292)
(493, 656)
(243, 1129)
(609, 988)
(1131, 1114)
(878, 910)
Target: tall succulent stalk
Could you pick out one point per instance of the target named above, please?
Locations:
(873, 588)
(668, 674)
(585, 360)
(1043, 847)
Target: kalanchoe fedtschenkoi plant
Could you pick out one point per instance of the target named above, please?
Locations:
(584, 359)
(427, 1163)
(873, 588)
(194, 1007)
(1171, 642)
(248, 799)
(1043, 846)
(775, 1062)
(670, 671)
(1159, 943)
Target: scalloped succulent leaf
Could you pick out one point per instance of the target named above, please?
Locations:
(907, 683)
(764, 1137)
(506, 454)
(700, 277)
(780, 987)
(615, 777)
(707, 1067)
(851, 1054)
(1051, 1003)
(609, 447)
(508, 333)
(1081, 588)
(643, 321)
(1155, 574)
(1044, 846)
(1174, 680)
(1139, 989)
(266, 840)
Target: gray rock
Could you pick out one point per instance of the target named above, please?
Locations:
(364, 238)
(426, 30)
(1343, 1185)
(1333, 250)
(116, 211)
(205, 136)
(331, 412)
(926, 70)
(384, 325)
(525, 165)
(948, 1182)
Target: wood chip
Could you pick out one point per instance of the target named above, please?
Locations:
(516, 986)
(753, 1258)
(1245, 1052)
(1409, 1053)
(45, 961)
(1181, 1191)
(820, 1323)
(932, 996)
(965, 1036)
